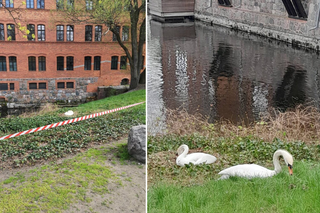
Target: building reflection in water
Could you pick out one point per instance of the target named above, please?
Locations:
(229, 75)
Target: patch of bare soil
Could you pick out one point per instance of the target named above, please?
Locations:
(128, 196)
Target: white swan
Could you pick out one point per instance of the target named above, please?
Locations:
(253, 170)
(194, 158)
(70, 112)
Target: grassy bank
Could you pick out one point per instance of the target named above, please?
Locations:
(57, 142)
(95, 167)
(282, 193)
(196, 188)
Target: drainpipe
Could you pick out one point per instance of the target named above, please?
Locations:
(317, 20)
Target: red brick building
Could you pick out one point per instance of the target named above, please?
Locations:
(57, 60)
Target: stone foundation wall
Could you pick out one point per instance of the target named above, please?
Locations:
(267, 18)
(23, 95)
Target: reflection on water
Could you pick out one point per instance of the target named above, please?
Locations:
(224, 74)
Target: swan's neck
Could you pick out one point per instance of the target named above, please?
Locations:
(185, 151)
(276, 162)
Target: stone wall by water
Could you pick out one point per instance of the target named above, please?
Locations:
(23, 95)
(265, 17)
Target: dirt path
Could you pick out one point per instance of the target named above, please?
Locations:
(131, 197)
(126, 194)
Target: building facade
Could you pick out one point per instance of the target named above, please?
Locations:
(48, 60)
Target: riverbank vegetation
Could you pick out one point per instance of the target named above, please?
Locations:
(196, 188)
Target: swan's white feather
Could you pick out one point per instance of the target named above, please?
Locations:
(194, 158)
(247, 171)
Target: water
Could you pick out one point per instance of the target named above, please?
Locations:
(224, 74)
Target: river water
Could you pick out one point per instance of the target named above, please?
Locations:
(224, 74)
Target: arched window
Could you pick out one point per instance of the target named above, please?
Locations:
(42, 63)
(41, 32)
(32, 63)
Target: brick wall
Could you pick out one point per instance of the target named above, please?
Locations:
(86, 81)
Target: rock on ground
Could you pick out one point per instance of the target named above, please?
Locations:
(137, 143)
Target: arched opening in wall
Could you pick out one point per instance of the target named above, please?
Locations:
(295, 9)
(125, 81)
(225, 3)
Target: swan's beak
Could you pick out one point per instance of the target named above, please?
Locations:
(290, 170)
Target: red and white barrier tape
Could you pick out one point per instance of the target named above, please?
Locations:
(67, 122)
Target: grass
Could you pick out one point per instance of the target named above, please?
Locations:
(196, 189)
(282, 193)
(54, 187)
(57, 142)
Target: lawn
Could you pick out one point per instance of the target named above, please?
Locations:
(197, 189)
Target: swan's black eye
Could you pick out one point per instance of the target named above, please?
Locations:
(290, 166)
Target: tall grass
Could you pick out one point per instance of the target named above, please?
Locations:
(281, 193)
(301, 123)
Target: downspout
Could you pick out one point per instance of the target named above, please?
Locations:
(317, 20)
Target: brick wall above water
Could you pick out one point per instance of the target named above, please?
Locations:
(267, 17)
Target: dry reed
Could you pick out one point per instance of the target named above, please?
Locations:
(299, 124)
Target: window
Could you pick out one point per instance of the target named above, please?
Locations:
(70, 4)
(1, 32)
(87, 63)
(114, 62)
(123, 62)
(11, 86)
(63, 85)
(89, 4)
(31, 35)
(114, 37)
(33, 86)
(40, 4)
(3, 63)
(60, 85)
(98, 33)
(13, 63)
(70, 63)
(60, 63)
(41, 33)
(30, 4)
(42, 85)
(97, 62)
(32, 63)
(60, 32)
(295, 9)
(226, 3)
(125, 33)
(69, 32)
(60, 5)
(42, 63)
(11, 32)
(70, 85)
(3, 86)
(9, 3)
(88, 35)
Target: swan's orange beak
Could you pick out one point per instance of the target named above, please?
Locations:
(290, 170)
